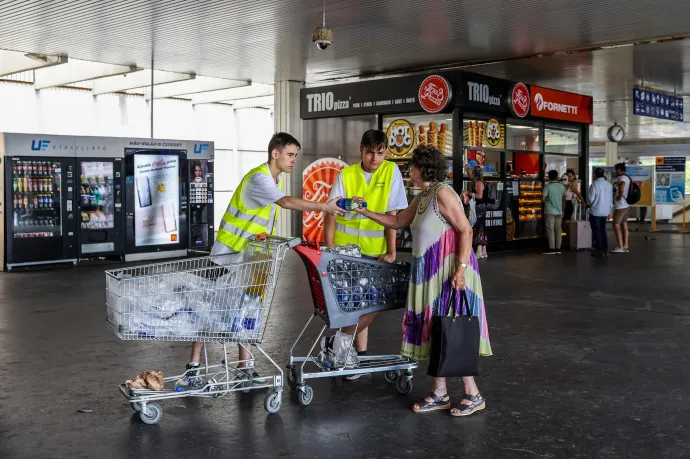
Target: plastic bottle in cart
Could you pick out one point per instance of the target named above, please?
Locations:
(350, 204)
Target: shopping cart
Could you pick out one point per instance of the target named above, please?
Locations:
(344, 288)
(200, 299)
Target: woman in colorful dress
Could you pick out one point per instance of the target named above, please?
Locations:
(443, 262)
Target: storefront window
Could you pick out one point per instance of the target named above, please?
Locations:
(561, 140)
(484, 141)
(524, 166)
(523, 135)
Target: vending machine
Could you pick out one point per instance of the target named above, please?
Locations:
(39, 189)
(100, 197)
(156, 224)
(201, 232)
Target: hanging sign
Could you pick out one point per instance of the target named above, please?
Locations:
(520, 100)
(657, 105)
(434, 93)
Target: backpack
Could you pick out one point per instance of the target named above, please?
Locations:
(492, 197)
(634, 192)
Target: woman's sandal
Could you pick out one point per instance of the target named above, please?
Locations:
(436, 403)
(477, 403)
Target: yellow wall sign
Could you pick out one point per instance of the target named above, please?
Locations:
(401, 137)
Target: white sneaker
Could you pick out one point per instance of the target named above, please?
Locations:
(618, 250)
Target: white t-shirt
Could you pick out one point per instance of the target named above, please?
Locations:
(622, 203)
(259, 191)
(397, 199)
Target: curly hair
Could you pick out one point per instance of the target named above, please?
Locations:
(430, 162)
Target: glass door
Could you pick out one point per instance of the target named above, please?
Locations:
(37, 199)
(97, 201)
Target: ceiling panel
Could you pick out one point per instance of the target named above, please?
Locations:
(265, 40)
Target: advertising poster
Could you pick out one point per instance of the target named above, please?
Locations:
(405, 135)
(670, 180)
(317, 181)
(642, 175)
(157, 204)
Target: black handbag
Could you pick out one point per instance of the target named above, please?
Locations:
(455, 343)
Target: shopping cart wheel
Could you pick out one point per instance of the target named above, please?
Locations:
(272, 402)
(390, 376)
(136, 406)
(305, 395)
(151, 414)
(292, 376)
(404, 385)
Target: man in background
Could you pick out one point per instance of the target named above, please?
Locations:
(554, 206)
(600, 201)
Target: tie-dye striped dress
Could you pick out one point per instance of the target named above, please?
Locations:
(436, 255)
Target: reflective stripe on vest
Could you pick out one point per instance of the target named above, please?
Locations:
(240, 223)
(361, 231)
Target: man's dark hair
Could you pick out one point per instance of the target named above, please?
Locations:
(281, 140)
(598, 172)
(430, 162)
(374, 138)
(620, 167)
(571, 171)
(553, 175)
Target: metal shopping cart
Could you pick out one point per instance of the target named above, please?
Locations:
(344, 288)
(201, 299)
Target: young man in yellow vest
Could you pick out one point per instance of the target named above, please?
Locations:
(380, 183)
(252, 210)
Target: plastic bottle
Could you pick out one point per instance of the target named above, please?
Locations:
(350, 204)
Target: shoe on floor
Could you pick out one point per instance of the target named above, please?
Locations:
(192, 370)
(618, 250)
(551, 252)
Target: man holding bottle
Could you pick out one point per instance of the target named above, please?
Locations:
(380, 184)
(252, 210)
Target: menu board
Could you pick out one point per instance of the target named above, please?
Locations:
(157, 203)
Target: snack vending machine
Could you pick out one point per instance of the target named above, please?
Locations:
(100, 203)
(156, 215)
(39, 207)
(201, 232)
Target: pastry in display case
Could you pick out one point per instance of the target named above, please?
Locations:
(529, 209)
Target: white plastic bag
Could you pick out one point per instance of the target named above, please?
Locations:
(473, 212)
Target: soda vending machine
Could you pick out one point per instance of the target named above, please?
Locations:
(100, 197)
(156, 223)
(201, 232)
(39, 200)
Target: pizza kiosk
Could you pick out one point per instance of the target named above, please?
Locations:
(515, 132)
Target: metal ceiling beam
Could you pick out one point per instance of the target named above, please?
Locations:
(252, 102)
(135, 80)
(245, 92)
(195, 86)
(15, 61)
(77, 70)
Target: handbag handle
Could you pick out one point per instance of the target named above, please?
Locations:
(463, 299)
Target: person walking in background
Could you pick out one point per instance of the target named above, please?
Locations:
(380, 184)
(622, 209)
(600, 201)
(443, 262)
(478, 192)
(554, 206)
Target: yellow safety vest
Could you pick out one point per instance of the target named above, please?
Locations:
(239, 223)
(359, 230)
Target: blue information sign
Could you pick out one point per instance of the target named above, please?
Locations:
(657, 105)
(670, 180)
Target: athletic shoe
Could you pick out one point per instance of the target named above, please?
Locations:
(618, 250)
(192, 370)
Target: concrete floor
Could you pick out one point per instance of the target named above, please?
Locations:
(590, 361)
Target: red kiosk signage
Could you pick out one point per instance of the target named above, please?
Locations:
(520, 100)
(434, 93)
(559, 105)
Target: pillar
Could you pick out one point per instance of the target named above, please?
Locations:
(286, 119)
(611, 153)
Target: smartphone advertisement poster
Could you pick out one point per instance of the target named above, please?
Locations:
(156, 213)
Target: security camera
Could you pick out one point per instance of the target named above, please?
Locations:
(323, 37)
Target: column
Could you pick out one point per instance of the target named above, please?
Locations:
(286, 119)
(611, 153)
